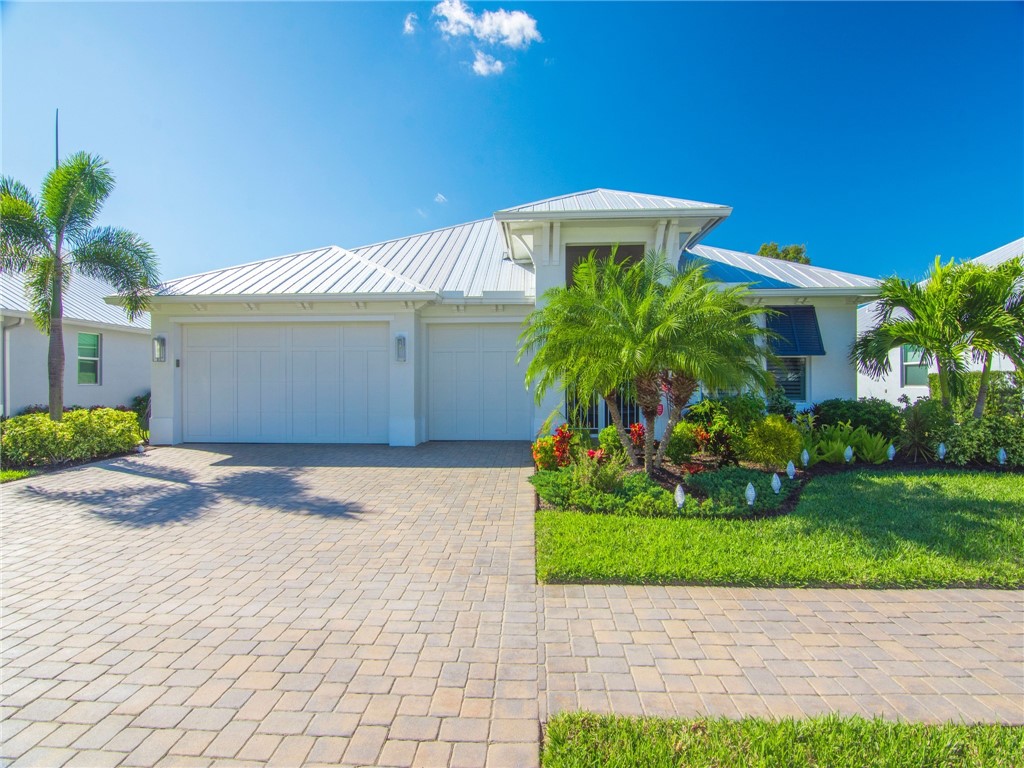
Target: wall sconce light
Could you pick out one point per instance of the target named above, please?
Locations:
(400, 348)
(159, 349)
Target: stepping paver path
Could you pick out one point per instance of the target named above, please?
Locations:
(354, 605)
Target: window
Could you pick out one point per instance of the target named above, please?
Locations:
(915, 370)
(89, 358)
(574, 254)
(791, 377)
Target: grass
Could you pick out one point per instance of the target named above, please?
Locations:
(864, 528)
(583, 740)
(7, 475)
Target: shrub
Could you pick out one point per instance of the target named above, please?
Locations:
(562, 445)
(637, 434)
(1005, 396)
(741, 410)
(36, 439)
(140, 404)
(682, 443)
(923, 424)
(608, 439)
(544, 453)
(832, 441)
(726, 490)
(552, 486)
(779, 404)
(977, 441)
(872, 413)
(603, 476)
(719, 438)
(772, 442)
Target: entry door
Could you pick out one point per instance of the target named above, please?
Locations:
(476, 389)
(286, 383)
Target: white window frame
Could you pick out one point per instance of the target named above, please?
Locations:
(98, 359)
(905, 363)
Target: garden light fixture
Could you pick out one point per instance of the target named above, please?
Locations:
(848, 454)
(751, 494)
(891, 453)
(680, 497)
(805, 457)
(791, 470)
(942, 451)
(1001, 456)
(776, 483)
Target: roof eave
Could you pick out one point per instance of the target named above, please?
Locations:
(273, 298)
(719, 211)
(864, 292)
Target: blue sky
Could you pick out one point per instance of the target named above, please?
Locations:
(878, 134)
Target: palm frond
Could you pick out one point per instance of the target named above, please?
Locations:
(74, 192)
(23, 231)
(124, 260)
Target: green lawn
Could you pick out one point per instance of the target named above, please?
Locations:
(6, 475)
(925, 528)
(582, 740)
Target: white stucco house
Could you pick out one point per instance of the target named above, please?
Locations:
(908, 375)
(415, 338)
(106, 355)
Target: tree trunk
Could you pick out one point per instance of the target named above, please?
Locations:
(648, 397)
(979, 407)
(55, 354)
(943, 385)
(612, 400)
(680, 390)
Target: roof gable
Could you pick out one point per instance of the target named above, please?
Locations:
(773, 274)
(609, 200)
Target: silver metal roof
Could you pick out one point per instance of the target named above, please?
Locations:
(83, 300)
(467, 258)
(1002, 253)
(773, 274)
(608, 200)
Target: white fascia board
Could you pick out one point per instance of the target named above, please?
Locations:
(285, 298)
(641, 213)
(865, 293)
(75, 321)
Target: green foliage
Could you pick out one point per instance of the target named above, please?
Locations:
(577, 739)
(977, 441)
(140, 404)
(924, 423)
(683, 442)
(831, 443)
(872, 413)
(603, 475)
(1005, 395)
(608, 440)
(772, 442)
(779, 403)
(797, 253)
(543, 450)
(740, 410)
(873, 448)
(9, 475)
(863, 528)
(37, 440)
(727, 488)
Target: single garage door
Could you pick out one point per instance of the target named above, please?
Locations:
(476, 389)
(286, 383)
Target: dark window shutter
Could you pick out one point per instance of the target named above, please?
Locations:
(798, 332)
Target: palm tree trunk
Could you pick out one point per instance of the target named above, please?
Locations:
(55, 353)
(979, 407)
(943, 385)
(612, 401)
(648, 396)
(680, 390)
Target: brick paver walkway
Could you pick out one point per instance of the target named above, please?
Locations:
(277, 605)
(300, 605)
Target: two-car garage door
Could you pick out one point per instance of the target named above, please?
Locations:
(286, 383)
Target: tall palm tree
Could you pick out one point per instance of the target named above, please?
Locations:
(648, 327)
(52, 238)
(931, 316)
(995, 318)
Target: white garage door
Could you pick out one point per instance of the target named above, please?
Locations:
(476, 389)
(286, 383)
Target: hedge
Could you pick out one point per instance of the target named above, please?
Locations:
(37, 440)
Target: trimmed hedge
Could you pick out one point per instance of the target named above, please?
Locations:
(872, 413)
(37, 440)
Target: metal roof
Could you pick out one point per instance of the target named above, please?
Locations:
(775, 274)
(83, 300)
(1002, 253)
(467, 258)
(610, 200)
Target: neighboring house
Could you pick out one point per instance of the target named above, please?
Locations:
(106, 355)
(908, 375)
(415, 339)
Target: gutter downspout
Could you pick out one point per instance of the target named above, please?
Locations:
(5, 366)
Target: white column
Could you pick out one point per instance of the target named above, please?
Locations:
(403, 384)
(165, 424)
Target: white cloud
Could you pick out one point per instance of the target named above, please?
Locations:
(486, 65)
(409, 26)
(422, 213)
(439, 198)
(514, 29)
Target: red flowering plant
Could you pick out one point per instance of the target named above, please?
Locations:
(636, 435)
(562, 444)
(597, 454)
(544, 453)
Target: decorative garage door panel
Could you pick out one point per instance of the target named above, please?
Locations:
(300, 383)
(476, 389)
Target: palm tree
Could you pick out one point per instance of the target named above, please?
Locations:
(995, 318)
(930, 316)
(52, 238)
(645, 326)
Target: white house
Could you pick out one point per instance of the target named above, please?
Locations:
(106, 355)
(908, 375)
(415, 339)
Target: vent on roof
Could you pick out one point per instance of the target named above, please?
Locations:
(798, 332)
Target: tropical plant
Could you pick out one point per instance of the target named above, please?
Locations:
(778, 402)
(923, 421)
(772, 442)
(646, 326)
(872, 413)
(682, 443)
(605, 476)
(51, 239)
(608, 439)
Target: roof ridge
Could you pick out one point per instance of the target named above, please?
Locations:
(387, 270)
(251, 263)
(420, 234)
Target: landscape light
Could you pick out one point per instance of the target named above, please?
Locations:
(680, 497)
(791, 470)
(805, 457)
(776, 483)
(1001, 456)
(751, 494)
(891, 453)
(942, 451)
(848, 454)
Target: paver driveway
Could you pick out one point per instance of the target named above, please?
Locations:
(274, 604)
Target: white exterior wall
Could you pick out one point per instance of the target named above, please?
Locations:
(833, 374)
(124, 366)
